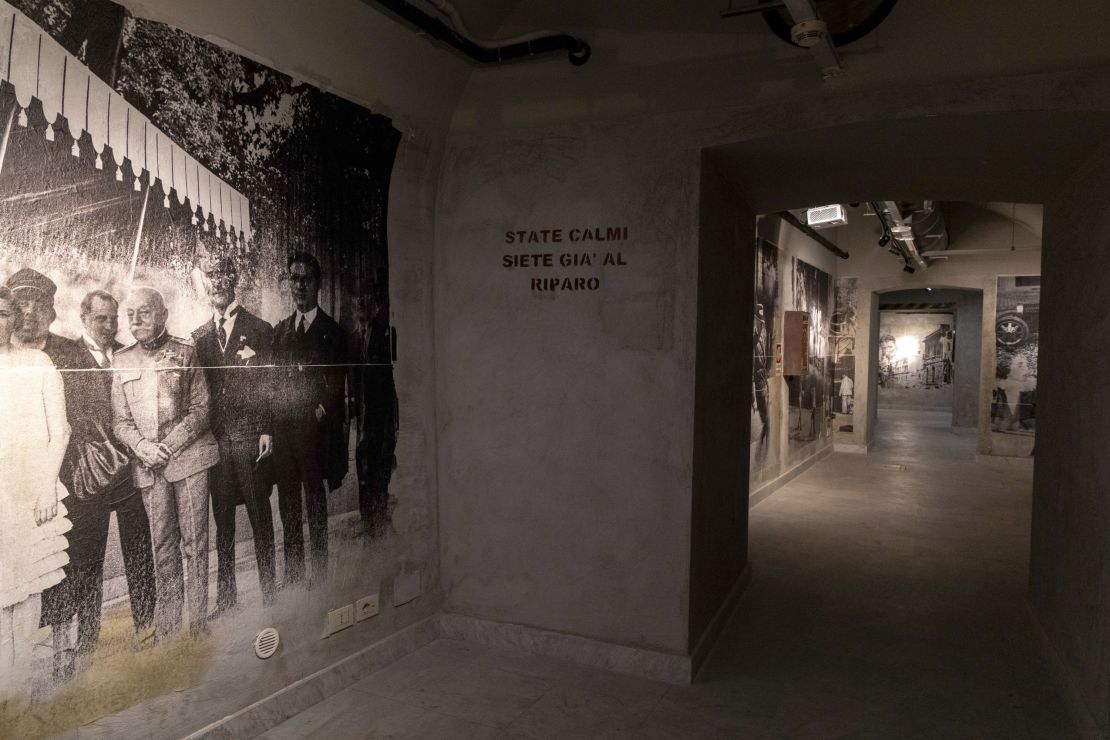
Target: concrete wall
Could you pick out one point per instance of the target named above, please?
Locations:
(1070, 581)
(719, 507)
(968, 358)
(565, 422)
(566, 419)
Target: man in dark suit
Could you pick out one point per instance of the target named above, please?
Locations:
(310, 352)
(233, 347)
(374, 406)
(96, 349)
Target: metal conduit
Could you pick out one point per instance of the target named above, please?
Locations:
(578, 51)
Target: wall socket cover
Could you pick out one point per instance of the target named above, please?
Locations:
(366, 607)
(341, 618)
(406, 587)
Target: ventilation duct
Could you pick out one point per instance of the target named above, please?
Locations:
(929, 228)
(915, 227)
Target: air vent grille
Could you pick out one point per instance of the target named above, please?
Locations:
(266, 643)
(824, 216)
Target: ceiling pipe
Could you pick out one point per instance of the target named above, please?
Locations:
(577, 50)
(759, 7)
(809, 231)
(452, 13)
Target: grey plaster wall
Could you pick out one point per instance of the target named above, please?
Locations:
(1070, 581)
(566, 420)
(969, 345)
(722, 398)
(565, 427)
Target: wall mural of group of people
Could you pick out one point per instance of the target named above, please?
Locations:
(767, 312)
(159, 429)
(809, 393)
(807, 402)
(159, 363)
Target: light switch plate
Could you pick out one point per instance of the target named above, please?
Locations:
(366, 607)
(341, 618)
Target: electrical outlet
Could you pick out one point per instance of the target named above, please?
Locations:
(366, 607)
(341, 618)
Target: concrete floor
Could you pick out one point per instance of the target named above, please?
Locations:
(887, 602)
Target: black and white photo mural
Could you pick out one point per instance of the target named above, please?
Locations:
(194, 327)
(843, 336)
(809, 394)
(767, 309)
(915, 361)
(1017, 324)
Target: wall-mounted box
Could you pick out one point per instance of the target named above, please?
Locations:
(795, 340)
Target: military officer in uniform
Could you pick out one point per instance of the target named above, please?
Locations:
(160, 411)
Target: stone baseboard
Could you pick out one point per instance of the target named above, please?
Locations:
(1085, 723)
(282, 705)
(771, 486)
(669, 667)
(295, 698)
(720, 619)
(853, 449)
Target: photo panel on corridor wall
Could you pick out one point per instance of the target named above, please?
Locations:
(916, 351)
(195, 285)
(1017, 324)
(768, 307)
(809, 394)
(843, 334)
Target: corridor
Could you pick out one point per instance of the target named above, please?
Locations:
(888, 601)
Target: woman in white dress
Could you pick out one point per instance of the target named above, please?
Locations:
(33, 437)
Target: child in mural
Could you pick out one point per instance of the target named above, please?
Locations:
(33, 439)
(1014, 406)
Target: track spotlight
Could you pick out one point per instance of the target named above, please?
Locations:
(884, 240)
(908, 269)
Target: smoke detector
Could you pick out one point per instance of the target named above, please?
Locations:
(266, 643)
(810, 33)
